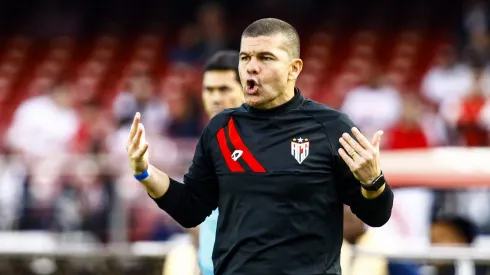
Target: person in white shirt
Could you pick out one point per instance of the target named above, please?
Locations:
(44, 125)
(384, 104)
(447, 79)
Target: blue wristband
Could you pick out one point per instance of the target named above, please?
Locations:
(143, 175)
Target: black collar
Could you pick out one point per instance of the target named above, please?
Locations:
(293, 103)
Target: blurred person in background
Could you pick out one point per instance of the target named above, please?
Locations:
(44, 125)
(358, 235)
(184, 115)
(407, 132)
(42, 134)
(221, 89)
(464, 115)
(454, 230)
(379, 96)
(467, 122)
(447, 79)
(96, 125)
(140, 96)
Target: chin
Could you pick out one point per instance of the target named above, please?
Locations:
(254, 100)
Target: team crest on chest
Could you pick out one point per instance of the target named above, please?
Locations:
(300, 148)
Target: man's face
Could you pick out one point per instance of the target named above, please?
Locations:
(220, 90)
(61, 95)
(141, 87)
(265, 69)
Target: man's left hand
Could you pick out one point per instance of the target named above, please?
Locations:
(362, 157)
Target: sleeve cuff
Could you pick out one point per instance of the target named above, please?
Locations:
(379, 201)
(171, 197)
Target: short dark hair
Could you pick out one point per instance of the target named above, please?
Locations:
(464, 226)
(223, 61)
(274, 26)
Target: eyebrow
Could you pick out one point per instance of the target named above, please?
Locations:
(259, 53)
(216, 87)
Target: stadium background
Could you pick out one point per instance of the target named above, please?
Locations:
(73, 73)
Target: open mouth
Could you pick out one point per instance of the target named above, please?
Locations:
(252, 86)
(251, 83)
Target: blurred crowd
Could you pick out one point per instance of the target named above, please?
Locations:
(63, 164)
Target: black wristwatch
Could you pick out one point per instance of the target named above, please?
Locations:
(376, 184)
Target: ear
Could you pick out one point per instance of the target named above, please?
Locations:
(295, 68)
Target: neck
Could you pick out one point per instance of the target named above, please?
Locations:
(280, 100)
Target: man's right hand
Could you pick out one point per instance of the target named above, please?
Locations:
(137, 147)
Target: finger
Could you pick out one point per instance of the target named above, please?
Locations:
(137, 138)
(348, 160)
(350, 151)
(143, 133)
(141, 151)
(377, 139)
(134, 126)
(355, 146)
(362, 139)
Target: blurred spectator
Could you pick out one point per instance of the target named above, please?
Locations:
(408, 133)
(140, 97)
(447, 79)
(454, 231)
(485, 115)
(185, 115)
(44, 125)
(12, 174)
(356, 233)
(85, 89)
(465, 115)
(96, 126)
(373, 106)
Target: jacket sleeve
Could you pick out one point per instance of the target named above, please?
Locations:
(373, 212)
(191, 202)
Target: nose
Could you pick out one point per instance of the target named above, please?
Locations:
(253, 67)
(216, 97)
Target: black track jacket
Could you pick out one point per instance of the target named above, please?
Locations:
(279, 184)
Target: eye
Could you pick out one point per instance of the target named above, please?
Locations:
(244, 58)
(268, 58)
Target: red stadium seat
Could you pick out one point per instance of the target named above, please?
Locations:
(362, 51)
(9, 69)
(365, 37)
